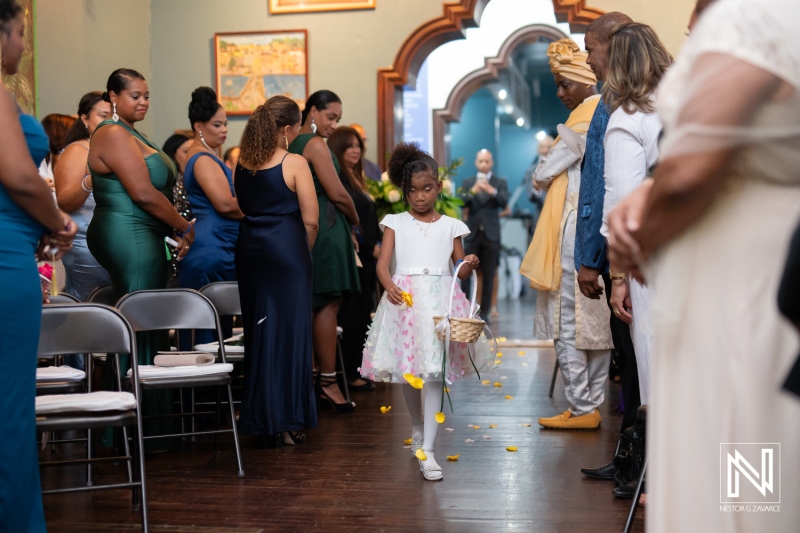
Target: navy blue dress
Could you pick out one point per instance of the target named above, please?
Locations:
(273, 266)
(211, 256)
(20, 319)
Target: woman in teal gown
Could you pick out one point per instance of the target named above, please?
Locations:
(333, 255)
(28, 218)
(132, 181)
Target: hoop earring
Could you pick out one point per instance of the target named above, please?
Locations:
(286, 138)
(313, 126)
(114, 117)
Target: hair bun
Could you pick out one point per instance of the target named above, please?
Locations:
(105, 97)
(203, 105)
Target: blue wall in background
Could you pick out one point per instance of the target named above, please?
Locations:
(475, 131)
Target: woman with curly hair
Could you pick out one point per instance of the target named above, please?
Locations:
(209, 189)
(273, 266)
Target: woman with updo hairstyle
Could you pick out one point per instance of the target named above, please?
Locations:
(132, 182)
(355, 314)
(74, 195)
(32, 226)
(273, 265)
(209, 189)
(335, 271)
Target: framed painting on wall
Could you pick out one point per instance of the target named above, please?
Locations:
(278, 7)
(253, 66)
(23, 84)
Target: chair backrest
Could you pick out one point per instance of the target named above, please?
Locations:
(102, 295)
(225, 297)
(84, 328)
(63, 298)
(168, 309)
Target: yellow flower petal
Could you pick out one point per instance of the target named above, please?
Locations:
(453, 457)
(474, 427)
(493, 426)
(511, 448)
(440, 417)
(499, 354)
(414, 381)
(485, 382)
(497, 361)
(421, 454)
(509, 397)
(521, 353)
(446, 389)
(407, 442)
(498, 384)
(501, 339)
(407, 299)
(526, 425)
(385, 409)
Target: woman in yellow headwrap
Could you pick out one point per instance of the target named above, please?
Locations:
(578, 324)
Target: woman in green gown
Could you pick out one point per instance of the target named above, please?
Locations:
(132, 182)
(334, 265)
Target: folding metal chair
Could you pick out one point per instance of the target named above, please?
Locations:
(103, 295)
(63, 298)
(90, 328)
(224, 295)
(165, 309)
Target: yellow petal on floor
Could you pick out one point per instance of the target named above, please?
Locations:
(521, 353)
(499, 354)
(501, 339)
(485, 382)
(493, 426)
(421, 454)
(498, 384)
(509, 397)
(497, 362)
(414, 381)
(446, 389)
(526, 425)
(453, 457)
(473, 426)
(440, 417)
(511, 448)
(407, 442)
(385, 409)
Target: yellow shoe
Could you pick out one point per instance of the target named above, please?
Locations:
(567, 420)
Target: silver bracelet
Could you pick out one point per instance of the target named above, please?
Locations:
(83, 184)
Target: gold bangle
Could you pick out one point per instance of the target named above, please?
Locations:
(616, 275)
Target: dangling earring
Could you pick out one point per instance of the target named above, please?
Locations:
(202, 140)
(313, 126)
(114, 117)
(286, 138)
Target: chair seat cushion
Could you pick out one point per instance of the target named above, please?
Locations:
(152, 371)
(59, 373)
(90, 402)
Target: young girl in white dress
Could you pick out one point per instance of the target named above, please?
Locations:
(418, 252)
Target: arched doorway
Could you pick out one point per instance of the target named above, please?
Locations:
(457, 17)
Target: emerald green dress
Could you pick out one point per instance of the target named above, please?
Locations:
(129, 243)
(333, 255)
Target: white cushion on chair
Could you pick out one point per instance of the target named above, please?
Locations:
(230, 349)
(59, 373)
(152, 371)
(90, 402)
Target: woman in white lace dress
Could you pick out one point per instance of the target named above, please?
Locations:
(716, 222)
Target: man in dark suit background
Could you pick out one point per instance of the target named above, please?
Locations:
(484, 196)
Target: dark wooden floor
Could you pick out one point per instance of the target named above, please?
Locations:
(354, 474)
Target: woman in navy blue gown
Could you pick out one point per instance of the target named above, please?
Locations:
(209, 190)
(28, 218)
(273, 265)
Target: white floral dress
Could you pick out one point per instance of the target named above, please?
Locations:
(400, 340)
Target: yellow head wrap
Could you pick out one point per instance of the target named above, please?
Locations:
(567, 59)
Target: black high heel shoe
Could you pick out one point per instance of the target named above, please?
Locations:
(293, 438)
(341, 408)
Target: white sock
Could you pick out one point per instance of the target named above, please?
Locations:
(433, 402)
(414, 403)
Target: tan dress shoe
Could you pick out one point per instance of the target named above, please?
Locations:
(567, 420)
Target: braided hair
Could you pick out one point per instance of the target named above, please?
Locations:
(408, 159)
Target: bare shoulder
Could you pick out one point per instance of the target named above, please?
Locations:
(295, 162)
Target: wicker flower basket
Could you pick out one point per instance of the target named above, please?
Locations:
(461, 329)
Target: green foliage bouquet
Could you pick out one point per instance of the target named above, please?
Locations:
(389, 199)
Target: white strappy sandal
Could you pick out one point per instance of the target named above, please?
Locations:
(430, 468)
